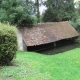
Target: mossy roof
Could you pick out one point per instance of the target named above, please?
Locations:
(44, 33)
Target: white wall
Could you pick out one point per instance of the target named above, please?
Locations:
(19, 39)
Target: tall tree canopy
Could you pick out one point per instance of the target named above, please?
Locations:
(37, 10)
(59, 10)
(38, 4)
(16, 11)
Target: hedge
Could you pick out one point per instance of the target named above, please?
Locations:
(8, 43)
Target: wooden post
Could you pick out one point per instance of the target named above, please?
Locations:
(54, 44)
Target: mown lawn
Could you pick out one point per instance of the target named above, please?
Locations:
(35, 66)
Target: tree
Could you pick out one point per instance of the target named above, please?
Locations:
(38, 3)
(78, 4)
(75, 22)
(59, 10)
(38, 13)
(16, 11)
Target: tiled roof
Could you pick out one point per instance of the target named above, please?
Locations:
(47, 32)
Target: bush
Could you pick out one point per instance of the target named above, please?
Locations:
(76, 23)
(8, 43)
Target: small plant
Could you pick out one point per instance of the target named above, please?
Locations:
(78, 40)
(8, 43)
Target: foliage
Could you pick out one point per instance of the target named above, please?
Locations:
(59, 10)
(76, 23)
(16, 11)
(8, 43)
(35, 66)
(37, 10)
(78, 40)
(38, 4)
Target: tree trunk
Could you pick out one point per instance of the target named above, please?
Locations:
(38, 13)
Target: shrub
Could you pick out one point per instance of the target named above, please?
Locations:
(8, 43)
(76, 23)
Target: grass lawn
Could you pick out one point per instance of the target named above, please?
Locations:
(35, 66)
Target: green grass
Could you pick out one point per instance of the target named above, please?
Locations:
(35, 66)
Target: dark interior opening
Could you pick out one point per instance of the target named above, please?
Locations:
(50, 45)
(64, 42)
(39, 47)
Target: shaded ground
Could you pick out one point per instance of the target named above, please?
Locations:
(60, 49)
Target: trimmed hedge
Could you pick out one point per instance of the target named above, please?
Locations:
(8, 43)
